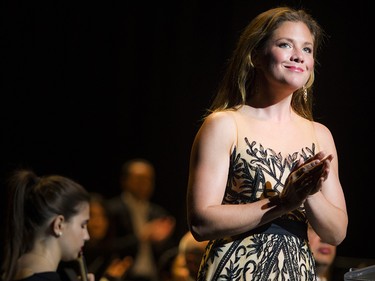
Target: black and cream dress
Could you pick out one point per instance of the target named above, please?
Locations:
(275, 251)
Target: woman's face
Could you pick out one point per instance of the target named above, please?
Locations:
(288, 58)
(324, 253)
(74, 233)
(98, 224)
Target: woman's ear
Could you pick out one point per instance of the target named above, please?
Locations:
(58, 225)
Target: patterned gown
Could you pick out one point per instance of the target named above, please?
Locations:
(275, 251)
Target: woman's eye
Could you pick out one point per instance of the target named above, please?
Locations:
(307, 50)
(284, 45)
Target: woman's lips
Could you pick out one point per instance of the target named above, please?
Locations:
(325, 250)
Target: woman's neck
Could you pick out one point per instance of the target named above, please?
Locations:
(33, 262)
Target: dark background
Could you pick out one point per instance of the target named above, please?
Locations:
(86, 86)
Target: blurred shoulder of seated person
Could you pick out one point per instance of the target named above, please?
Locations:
(324, 255)
(192, 252)
(136, 215)
(172, 266)
(116, 270)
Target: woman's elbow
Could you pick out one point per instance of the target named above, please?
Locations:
(339, 237)
(197, 234)
(341, 234)
(199, 229)
(335, 238)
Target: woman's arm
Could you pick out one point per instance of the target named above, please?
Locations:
(208, 174)
(326, 209)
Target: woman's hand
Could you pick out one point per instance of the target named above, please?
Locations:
(304, 180)
(158, 230)
(118, 268)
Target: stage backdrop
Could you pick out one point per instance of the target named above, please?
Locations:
(86, 87)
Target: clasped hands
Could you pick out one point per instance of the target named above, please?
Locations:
(305, 179)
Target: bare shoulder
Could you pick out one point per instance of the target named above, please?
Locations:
(324, 136)
(218, 126)
(321, 130)
(221, 120)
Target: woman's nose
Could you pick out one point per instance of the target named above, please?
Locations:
(297, 56)
(86, 236)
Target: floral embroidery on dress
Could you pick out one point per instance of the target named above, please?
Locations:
(256, 173)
